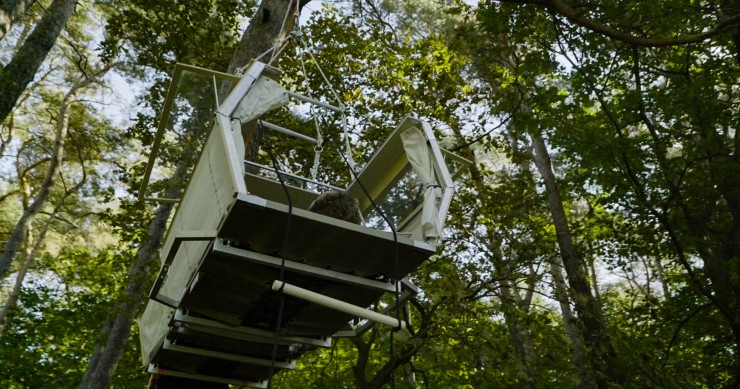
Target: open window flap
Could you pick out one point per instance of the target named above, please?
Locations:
(420, 159)
(264, 95)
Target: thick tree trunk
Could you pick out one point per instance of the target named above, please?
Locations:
(263, 30)
(20, 71)
(588, 309)
(10, 12)
(270, 24)
(117, 327)
(268, 28)
(52, 171)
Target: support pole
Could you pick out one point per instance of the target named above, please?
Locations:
(338, 305)
(314, 102)
(286, 131)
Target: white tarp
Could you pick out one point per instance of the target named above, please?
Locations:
(264, 95)
(420, 158)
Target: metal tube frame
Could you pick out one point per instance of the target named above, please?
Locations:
(335, 304)
(164, 119)
(302, 268)
(286, 131)
(183, 236)
(168, 345)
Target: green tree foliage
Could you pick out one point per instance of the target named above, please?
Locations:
(635, 102)
(52, 330)
(650, 133)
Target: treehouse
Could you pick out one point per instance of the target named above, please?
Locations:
(214, 308)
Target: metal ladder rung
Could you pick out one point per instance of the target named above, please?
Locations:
(226, 356)
(242, 333)
(314, 102)
(152, 369)
(286, 131)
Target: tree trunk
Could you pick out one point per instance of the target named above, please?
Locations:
(569, 321)
(656, 261)
(20, 71)
(52, 171)
(27, 258)
(269, 26)
(519, 332)
(10, 12)
(588, 309)
(386, 373)
(263, 30)
(118, 325)
(29, 255)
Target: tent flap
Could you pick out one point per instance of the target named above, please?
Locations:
(264, 95)
(420, 158)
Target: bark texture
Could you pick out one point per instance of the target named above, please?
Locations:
(117, 327)
(589, 312)
(20, 71)
(268, 28)
(517, 307)
(10, 12)
(26, 259)
(585, 375)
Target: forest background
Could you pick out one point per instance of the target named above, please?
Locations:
(595, 241)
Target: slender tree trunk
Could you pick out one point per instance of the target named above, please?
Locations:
(595, 282)
(661, 276)
(588, 309)
(10, 12)
(263, 30)
(20, 71)
(52, 171)
(30, 254)
(569, 321)
(519, 332)
(26, 260)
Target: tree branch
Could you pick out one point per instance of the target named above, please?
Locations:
(563, 9)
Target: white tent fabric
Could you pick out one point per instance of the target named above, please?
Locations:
(264, 95)
(418, 154)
